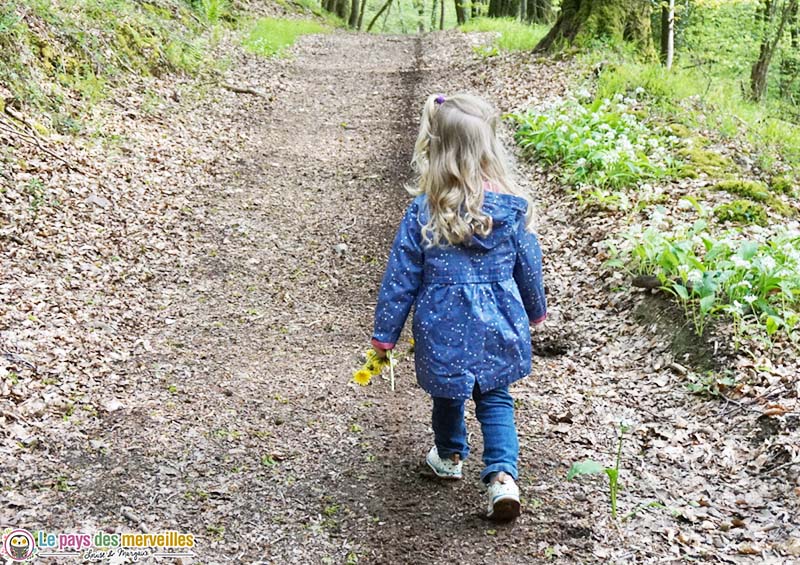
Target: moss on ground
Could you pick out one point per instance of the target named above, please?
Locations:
(783, 185)
(742, 212)
(754, 190)
(698, 160)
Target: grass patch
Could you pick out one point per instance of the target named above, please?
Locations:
(61, 57)
(271, 36)
(514, 35)
(692, 97)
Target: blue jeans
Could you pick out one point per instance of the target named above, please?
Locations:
(495, 411)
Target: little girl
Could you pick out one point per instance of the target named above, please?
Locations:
(465, 257)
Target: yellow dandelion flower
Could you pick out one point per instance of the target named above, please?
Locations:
(362, 377)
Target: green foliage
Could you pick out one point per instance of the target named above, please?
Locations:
(214, 10)
(756, 283)
(689, 95)
(590, 467)
(270, 36)
(61, 57)
(742, 212)
(600, 144)
(513, 35)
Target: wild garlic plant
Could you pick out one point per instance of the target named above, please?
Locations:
(602, 146)
(591, 467)
(755, 282)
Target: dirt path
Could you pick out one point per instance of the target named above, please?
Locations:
(241, 425)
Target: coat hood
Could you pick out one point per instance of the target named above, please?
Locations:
(507, 212)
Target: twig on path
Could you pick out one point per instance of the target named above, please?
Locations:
(128, 513)
(245, 90)
(784, 466)
(32, 139)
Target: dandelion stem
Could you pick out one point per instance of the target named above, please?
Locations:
(391, 369)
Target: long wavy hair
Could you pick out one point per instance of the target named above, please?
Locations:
(456, 152)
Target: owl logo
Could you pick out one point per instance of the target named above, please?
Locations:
(19, 545)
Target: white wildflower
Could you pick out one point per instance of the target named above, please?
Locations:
(740, 263)
(768, 263)
(750, 298)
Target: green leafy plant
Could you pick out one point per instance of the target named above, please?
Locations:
(756, 283)
(601, 147)
(214, 10)
(591, 467)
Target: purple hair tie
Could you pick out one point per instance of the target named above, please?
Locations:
(440, 99)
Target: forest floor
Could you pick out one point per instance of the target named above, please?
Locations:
(204, 384)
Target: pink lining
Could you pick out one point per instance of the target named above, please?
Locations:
(538, 321)
(382, 344)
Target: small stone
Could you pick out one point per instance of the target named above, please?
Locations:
(103, 203)
(112, 405)
(340, 249)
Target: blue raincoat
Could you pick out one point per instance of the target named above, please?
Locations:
(473, 303)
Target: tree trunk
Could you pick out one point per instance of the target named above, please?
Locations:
(769, 43)
(475, 9)
(523, 10)
(441, 16)
(434, 11)
(790, 65)
(329, 5)
(378, 15)
(461, 13)
(420, 6)
(361, 11)
(386, 17)
(353, 22)
(539, 11)
(583, 20)
(341, 9)
(668, 33)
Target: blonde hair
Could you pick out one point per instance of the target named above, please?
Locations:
(457, 150)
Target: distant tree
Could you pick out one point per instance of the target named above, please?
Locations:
(537, 11)
(503, 8)
(341, 8)
(790, 64)
(378, 15)
(353, 22)
(667, 32)
(772, 17)
(361, 11)
(461, 12)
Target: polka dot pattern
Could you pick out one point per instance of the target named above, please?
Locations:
(472, 303)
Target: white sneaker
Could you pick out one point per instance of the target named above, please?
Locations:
(443, 468)
(503, 499)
